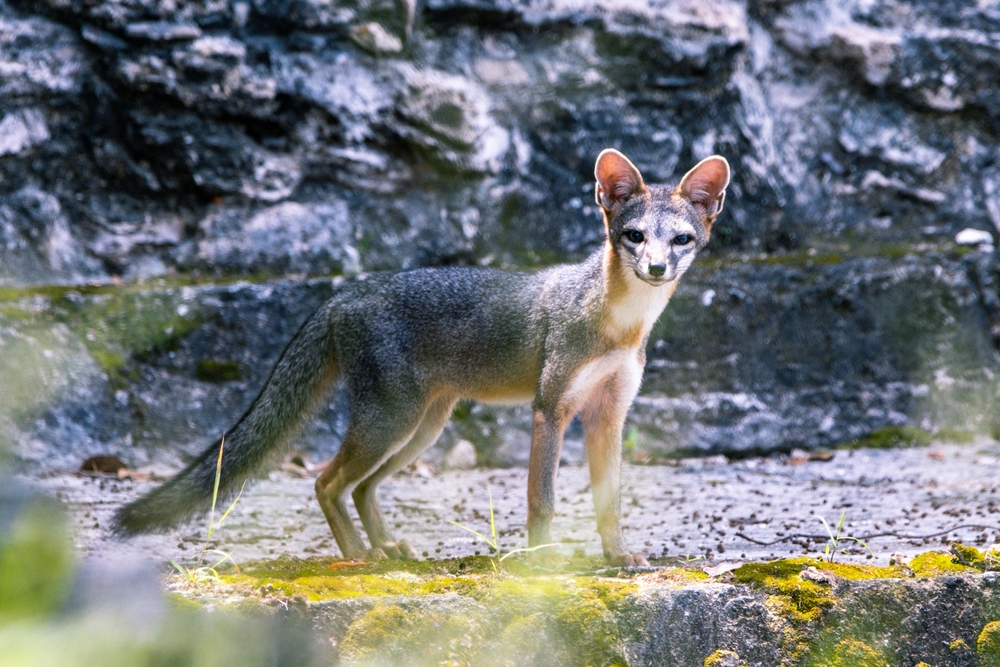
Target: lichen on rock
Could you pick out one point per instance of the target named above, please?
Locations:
(988, 645)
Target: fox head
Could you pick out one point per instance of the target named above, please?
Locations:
(656, 230)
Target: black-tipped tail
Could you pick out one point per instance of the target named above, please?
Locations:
(303, 375)
(178, 499)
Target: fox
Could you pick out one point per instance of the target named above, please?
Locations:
(407, 346)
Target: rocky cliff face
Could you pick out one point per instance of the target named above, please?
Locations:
(180, 143)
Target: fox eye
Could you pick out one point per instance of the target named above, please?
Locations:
(682, 239)
(635, 236)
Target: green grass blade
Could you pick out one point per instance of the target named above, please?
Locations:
(527, 550)
(215, 489)
(186, 573)
(493, 523)
(231, 506)
(474, 532)
(827, 526)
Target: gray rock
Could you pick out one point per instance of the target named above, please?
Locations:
(163, 31)
(991, 188)
(20, 130)
(39, 59)
(101, 39)
(37, 236)
(461, 457)
(373, 37)
(868, 134)
(340, 85)
(394, 15)
(682, 627)
(286, 238)
(209, 74)
(52, 393)
(449, 119)
(216, 158)
(918, 620)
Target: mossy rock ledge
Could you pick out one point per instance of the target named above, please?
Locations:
(936, 611)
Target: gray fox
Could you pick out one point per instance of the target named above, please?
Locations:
(407, 346)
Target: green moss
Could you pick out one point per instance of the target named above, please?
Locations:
(314, 580)
(968, 556)
(18, 313)
(614, 593)
(109, 361)
(390, 635)
(870, 616)
(539, 621)
(117, 326)
(171, 282)
(178, 602)
(290, 568)
(325, 578)
(853, 653)
(790, 568)
(958, 645)
(724, 658)
(936, 563)
(116, 322)
(890, 437)
(858, 571)
(558, 619)
(213, 370)
(800, 258)
(527, 636)
(800, 599)
(589, 630)
(582, 619)
(988, 645)
(955, 435)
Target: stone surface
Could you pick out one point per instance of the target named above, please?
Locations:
(296, 137)
(701, 510)
(661, 618)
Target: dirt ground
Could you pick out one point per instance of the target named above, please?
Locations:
(898, 501)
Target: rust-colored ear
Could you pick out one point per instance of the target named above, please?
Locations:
(617, 180)
(705, 187)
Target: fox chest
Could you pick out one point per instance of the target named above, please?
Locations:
(611, 379)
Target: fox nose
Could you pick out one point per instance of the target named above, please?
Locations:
(657, 270)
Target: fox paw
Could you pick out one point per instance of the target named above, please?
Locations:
(627, 560)
(401, 550)
(376, 553)
(406, 550)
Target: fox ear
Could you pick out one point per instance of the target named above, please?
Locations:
(617, 180)
(705, 187)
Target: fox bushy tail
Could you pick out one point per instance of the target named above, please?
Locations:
(302, 377)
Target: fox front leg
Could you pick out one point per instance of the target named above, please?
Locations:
(603, 420)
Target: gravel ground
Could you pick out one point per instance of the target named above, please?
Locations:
(899, 501)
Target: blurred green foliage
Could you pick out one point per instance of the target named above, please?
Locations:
(36, 567)
(39, 629)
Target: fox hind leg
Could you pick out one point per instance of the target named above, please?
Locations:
(375, 434)
(364, 494)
